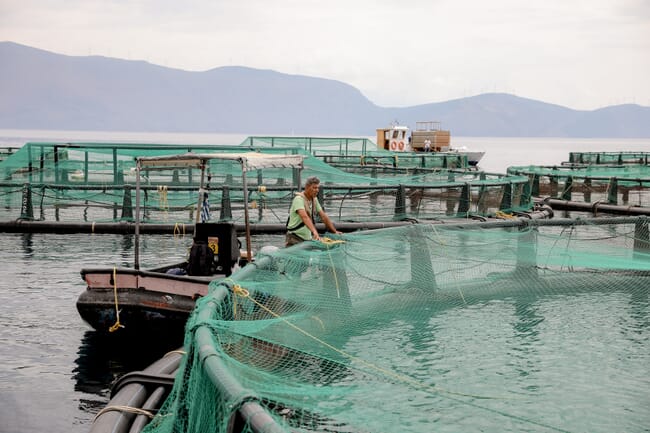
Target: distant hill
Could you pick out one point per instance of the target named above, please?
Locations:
(44, 90)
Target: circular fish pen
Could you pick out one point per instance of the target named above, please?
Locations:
(627, 185)
(526, 325)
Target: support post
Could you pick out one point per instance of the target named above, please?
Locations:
(612, 191)
(586, 188)
(226, 210)
(553, 185)
(26, 207)
(506, 201)
(534, 185)
(400, 203)
(127, 204)
(464, 201)
(568, 185)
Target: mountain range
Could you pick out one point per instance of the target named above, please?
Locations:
(45, 90)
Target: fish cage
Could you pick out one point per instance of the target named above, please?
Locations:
(96, 182)
(609, 158)
(526, 325)
(313, 145)
(382, 159)
(627, 185)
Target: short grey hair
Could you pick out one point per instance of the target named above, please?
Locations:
(311, 180)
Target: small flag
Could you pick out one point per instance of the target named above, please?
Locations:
(205, 208)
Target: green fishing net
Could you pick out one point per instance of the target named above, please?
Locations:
(526, 325)
(96, 182)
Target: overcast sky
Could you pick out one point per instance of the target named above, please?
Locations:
(583, 54)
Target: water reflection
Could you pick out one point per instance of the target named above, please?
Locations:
(103, 358)
(126, 251)
(526, 332)
(27, 244)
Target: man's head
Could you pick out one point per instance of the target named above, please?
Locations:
(311, 186)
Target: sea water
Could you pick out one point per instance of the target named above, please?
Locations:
(56, 372)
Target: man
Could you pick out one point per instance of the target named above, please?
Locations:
(301, 226)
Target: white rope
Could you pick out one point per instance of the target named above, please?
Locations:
(127, 409)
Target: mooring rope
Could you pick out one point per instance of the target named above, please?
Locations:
(327, 241)
(117, 324)
(177, 229)
(127, 409)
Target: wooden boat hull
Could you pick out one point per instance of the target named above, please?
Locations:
(151, 303)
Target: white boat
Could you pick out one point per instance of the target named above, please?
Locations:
(427, 137)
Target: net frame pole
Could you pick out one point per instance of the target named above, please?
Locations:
(136, 246)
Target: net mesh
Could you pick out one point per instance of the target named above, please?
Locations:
(524, 326)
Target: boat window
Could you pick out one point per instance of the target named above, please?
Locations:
(395, 132)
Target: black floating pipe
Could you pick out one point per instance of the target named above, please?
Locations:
(152, 403)
(595, 207)
(124, 227)
(134, 395)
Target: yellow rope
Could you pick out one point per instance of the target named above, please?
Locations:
(503, 215)
(117, 324)
(241, 291)
(177, 230)
(163, 203)
(327, 241)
